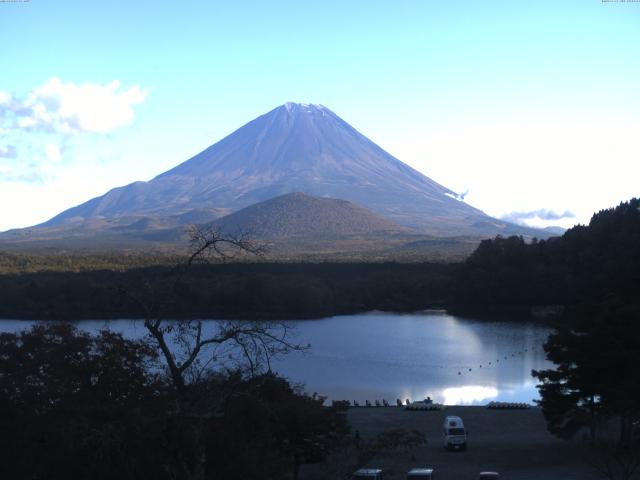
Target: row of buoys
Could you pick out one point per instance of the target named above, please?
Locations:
(367, 403)
(426, 404)
(505, 357)
(423, 406)
(508, 406)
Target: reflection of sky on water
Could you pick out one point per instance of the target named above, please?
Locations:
(383, 355)
(468, 394)
(451, 360)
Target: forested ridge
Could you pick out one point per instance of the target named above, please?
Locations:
(502, 274)
(586, 262)
(235, 290)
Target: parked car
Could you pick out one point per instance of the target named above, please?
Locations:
(454, 434)
(420, 474)
(368, 474)
(488, 476)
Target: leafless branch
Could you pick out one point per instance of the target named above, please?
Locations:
(256, 341)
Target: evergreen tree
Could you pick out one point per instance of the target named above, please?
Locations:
(596, 347)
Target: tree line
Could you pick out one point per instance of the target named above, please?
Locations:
(593, 272)
(228, 290)
(587, 260)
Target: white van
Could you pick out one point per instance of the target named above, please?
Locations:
(454, 434)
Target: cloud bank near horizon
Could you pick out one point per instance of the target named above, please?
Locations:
(542, 214)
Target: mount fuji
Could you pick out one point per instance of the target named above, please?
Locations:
(294, 148)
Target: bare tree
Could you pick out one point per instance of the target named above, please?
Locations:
(193, 348)
(187, 346)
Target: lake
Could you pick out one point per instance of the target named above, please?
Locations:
(369, 356)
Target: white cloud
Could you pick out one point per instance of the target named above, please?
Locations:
(54, 118)
(541, 217)
(52, 151)
(60, 107)
(26, 122)
(5, 98)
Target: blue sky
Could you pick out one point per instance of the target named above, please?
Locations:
(533, 107)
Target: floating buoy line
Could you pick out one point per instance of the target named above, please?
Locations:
(505, 357)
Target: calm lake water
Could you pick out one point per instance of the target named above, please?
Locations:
(456, 361)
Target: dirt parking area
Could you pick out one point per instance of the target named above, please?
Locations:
(514, 443)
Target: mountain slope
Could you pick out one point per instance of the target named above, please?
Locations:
(297, 214)
(295, 148)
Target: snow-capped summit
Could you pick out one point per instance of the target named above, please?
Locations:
(305, 107)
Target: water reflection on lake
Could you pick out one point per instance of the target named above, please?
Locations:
(383, 355)
(452, 360)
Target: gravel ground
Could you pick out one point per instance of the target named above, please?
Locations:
(514, 443)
